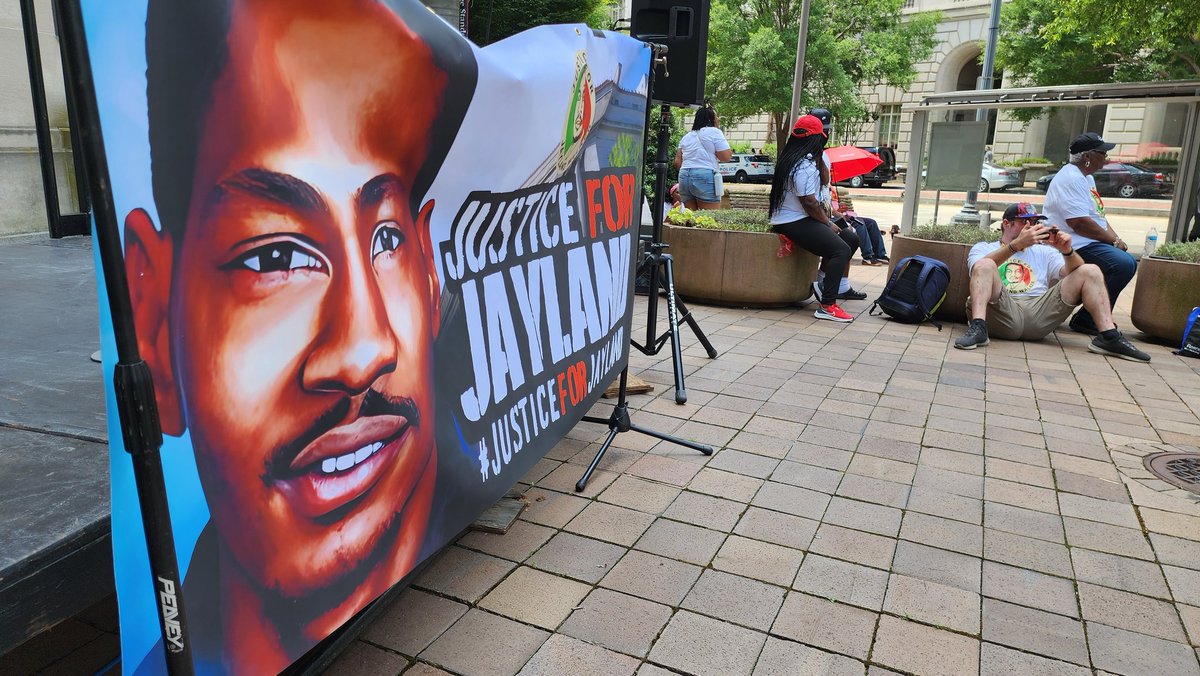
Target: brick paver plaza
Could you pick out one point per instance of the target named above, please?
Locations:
(879, 502)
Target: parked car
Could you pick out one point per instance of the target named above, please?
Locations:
(998, 178)
(879, 175)
(1121, 179)
(993, 177)
(743, 167)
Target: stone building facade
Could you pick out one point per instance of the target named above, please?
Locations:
(1138, 129)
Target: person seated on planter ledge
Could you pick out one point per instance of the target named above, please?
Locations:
(1030, 281)
(796, 212)
(1073, 204)
(870, 237)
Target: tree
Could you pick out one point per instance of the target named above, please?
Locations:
(494, 20)
(851, 43)
(1095, 41)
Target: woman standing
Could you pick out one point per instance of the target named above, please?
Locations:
(796, 212)
(696, 159)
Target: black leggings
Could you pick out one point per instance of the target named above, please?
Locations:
(814, 236)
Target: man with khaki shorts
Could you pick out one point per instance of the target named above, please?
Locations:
(1030, 281)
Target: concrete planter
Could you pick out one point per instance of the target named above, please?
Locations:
(1165, 292)
(727, 267)
(954, 255)
(1032, 172)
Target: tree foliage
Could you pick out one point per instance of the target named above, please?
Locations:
(851, 44)
(1095, 41)
(494, 20)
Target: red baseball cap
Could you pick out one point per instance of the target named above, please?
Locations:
(807, 125)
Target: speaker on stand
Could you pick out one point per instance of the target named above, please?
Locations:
(681, 25)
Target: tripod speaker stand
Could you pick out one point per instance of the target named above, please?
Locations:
(661, 276)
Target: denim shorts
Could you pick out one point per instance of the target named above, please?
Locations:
(698, 184)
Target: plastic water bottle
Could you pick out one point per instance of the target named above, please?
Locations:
(1151, 242)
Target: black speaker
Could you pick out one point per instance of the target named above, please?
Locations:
(681, 25)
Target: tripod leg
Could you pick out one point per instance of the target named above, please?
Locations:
(673, 330)
(703, 448)
(582, 483)
(691, 321)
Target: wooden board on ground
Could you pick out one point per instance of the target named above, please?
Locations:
(634, 385)
(500, 516)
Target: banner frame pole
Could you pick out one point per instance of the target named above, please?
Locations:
(134, 387)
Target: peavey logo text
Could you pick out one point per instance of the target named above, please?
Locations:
(170, 614)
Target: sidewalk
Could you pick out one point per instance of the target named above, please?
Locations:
(879, 502)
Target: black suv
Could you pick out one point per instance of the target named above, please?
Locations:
(879, 175)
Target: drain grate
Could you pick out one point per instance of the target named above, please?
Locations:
(1177, 469)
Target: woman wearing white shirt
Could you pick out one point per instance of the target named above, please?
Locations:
(699, 151)
(796, 213)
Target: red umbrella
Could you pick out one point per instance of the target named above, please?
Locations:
(849, 161)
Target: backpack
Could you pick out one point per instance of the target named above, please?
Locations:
(1191, 336)
(915, 290)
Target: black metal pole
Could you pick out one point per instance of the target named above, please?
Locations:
(81, 188)
(131, 379)
(41, 119)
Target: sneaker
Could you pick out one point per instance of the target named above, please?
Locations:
(1118, 346)
(816, 286)
(975, 336)
(833, 313)
(883, 259)
(851, 294)
(870, 261)
(1088, 329)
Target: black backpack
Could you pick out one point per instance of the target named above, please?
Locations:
(915, 290)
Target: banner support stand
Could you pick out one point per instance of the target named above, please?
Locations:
(133, 385)
(619, 422)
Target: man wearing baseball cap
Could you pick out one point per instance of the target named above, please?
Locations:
(1028, 283)
(1074, 205)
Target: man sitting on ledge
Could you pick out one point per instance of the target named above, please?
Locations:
(1030, 281)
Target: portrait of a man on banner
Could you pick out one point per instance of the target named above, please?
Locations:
(287, 302)
(322, 267)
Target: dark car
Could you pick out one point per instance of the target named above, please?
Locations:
(1121, 179)
(879, 175)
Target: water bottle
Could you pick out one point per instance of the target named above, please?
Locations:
(1151, 242)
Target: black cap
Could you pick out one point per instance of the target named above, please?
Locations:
(1090, 141)
(823, 115)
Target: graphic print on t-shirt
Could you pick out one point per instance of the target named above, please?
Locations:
(1099, 202)
(1017, 276)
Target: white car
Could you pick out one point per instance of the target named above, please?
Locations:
(744, 167)
(999, 178)
(994, 178)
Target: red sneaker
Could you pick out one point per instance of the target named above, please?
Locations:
(833, 313)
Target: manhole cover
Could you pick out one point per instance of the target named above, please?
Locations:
(1177, 469)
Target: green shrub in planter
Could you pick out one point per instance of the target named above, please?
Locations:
(742, 220)
(1023, 161)
(957, 233)
(1188, 252)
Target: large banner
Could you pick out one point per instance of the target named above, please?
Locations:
(376, 272)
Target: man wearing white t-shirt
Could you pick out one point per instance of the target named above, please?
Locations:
(1074, 205)
(1029, 282)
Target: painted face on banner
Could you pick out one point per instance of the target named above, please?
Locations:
(303, 302)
